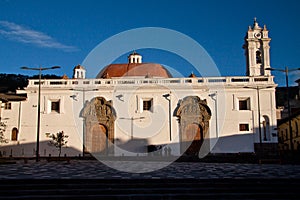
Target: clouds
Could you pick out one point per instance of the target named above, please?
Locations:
(18, 33)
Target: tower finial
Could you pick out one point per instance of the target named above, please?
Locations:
(255, 24)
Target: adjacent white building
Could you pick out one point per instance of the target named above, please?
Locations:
(136, 108)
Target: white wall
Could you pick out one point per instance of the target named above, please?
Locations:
(153, 128)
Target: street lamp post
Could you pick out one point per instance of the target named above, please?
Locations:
(259, 122)
(40, 69)
(170, 124)
(214, 97)
(286, 71)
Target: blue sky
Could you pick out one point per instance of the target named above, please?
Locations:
(63, 32)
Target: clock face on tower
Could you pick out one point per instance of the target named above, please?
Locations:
(257, 35)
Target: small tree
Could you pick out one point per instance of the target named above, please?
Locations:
(58, 140)
(2, 130)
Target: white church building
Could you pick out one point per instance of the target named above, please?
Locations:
(136, 108)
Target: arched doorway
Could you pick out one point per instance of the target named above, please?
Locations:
(14, 134)
(194, 116)
(99, 117)
(99, 140)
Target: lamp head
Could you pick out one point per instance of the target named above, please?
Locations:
(55, 67)
(270, 69)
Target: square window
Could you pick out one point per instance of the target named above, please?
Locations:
(244, 127)
(55, 105)
(147, 105)
(244, 104)
(7, 106)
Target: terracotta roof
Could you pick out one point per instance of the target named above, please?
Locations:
(134, 69)
(65, 77)
(192, 75)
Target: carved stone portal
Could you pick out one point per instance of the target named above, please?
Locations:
(99, 117)
(193, 116)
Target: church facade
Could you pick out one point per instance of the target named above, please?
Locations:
(138, 108)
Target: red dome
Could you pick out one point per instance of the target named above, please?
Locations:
(134, 69)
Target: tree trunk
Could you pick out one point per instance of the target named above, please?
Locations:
(59, 152)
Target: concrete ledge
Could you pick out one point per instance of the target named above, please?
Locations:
(4, 161)
(7, 162)
(59, 159)
(269, 161)
(150, 189)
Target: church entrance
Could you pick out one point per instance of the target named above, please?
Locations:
(99, 116)
(194, 116)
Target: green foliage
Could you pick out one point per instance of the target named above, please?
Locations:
(58, 140)
(11, 82)
(2, 130)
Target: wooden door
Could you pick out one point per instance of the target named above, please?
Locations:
(193, 139)
(99, 139)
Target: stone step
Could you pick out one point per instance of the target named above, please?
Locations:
(149, 189)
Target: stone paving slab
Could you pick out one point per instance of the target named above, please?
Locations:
(93, 169)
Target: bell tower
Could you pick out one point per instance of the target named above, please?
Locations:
(257, 50)
(79, 72)
(134, 58)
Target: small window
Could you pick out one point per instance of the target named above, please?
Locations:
(55, 106)
(258, 57)
(244, 127)
(7, 106)
(147, 105)
(244, 104)
(14, 134)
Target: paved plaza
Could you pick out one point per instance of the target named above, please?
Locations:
(93, 169)
(91, 179)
